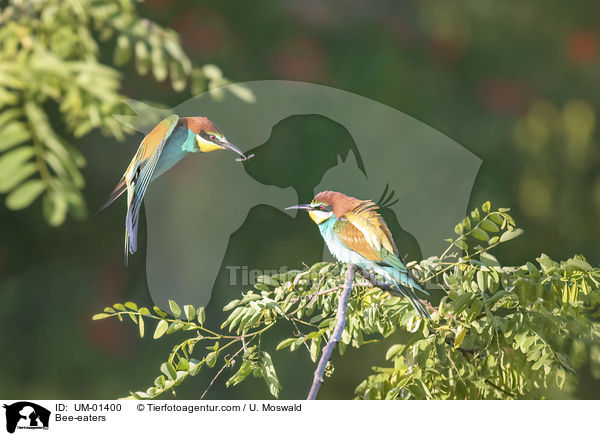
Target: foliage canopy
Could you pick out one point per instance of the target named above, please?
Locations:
(497, 331)
(54, 85)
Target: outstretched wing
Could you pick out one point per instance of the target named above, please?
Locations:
(139, 174)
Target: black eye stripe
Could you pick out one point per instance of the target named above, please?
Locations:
(210, 137)
(323, 208)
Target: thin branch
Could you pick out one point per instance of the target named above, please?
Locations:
(220, 371)
(327, 291)
(504, 391)
(336, 335)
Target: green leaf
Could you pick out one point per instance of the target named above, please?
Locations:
(493, 240)
(231, 305)
(142, 58)
(413, 323)
(195, 366)
(461, 332)
(286, 343)
(141, 325)
(489, 226)
(122, 51)
(267, 370)
(178, 76)
(12, 135)
(9, 180)
(561, 377)
(466, 222)
(480, 234)
(160, 312)
(244, 371)
(201, 315)
(25, 194)
(510, 234)
(486, 207)
(211, 358)
(175, 309)
(183, 365)
(488, 259)
(497, 218)
(101, 316)
(579, 264)
(462, 244)
(168, 369)
(458, 229)
(159, 382)
(131, 305)
(55, 208)
(394, 350)
(190, 312)
(161, 329)
(9, 116)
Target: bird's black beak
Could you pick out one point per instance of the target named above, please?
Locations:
(230, 146)
(299, 206)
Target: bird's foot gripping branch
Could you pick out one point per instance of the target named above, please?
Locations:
(495, 331)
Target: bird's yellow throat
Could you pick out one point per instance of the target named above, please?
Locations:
(319, 216)
(206, 146)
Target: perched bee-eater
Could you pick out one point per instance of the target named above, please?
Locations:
(163, 147)
(355, 233)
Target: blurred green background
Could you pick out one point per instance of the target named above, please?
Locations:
(515, 82)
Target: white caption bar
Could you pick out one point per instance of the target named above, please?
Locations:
(297, 417)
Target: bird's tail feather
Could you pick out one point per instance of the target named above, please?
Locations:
(131, 221)
(405, 284)
(410, 295)
(116, 193)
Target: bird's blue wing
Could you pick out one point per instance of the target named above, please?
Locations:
(147, 158)
(404, 276)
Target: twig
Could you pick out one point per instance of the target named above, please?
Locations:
(504, 391)
(220, 371)
(300, 334)
(336, 335)
(327, 291)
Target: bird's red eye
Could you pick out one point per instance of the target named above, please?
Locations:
(212, 137)
(322, 207)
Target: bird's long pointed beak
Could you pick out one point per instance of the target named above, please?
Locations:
(230, 146)
(299, 206)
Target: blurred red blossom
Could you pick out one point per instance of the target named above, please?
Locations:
(504, 96)
(300, 59)
(582, 47)
(202, 31)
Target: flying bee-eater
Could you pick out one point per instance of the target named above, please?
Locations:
(356, 233)
(163, 147)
